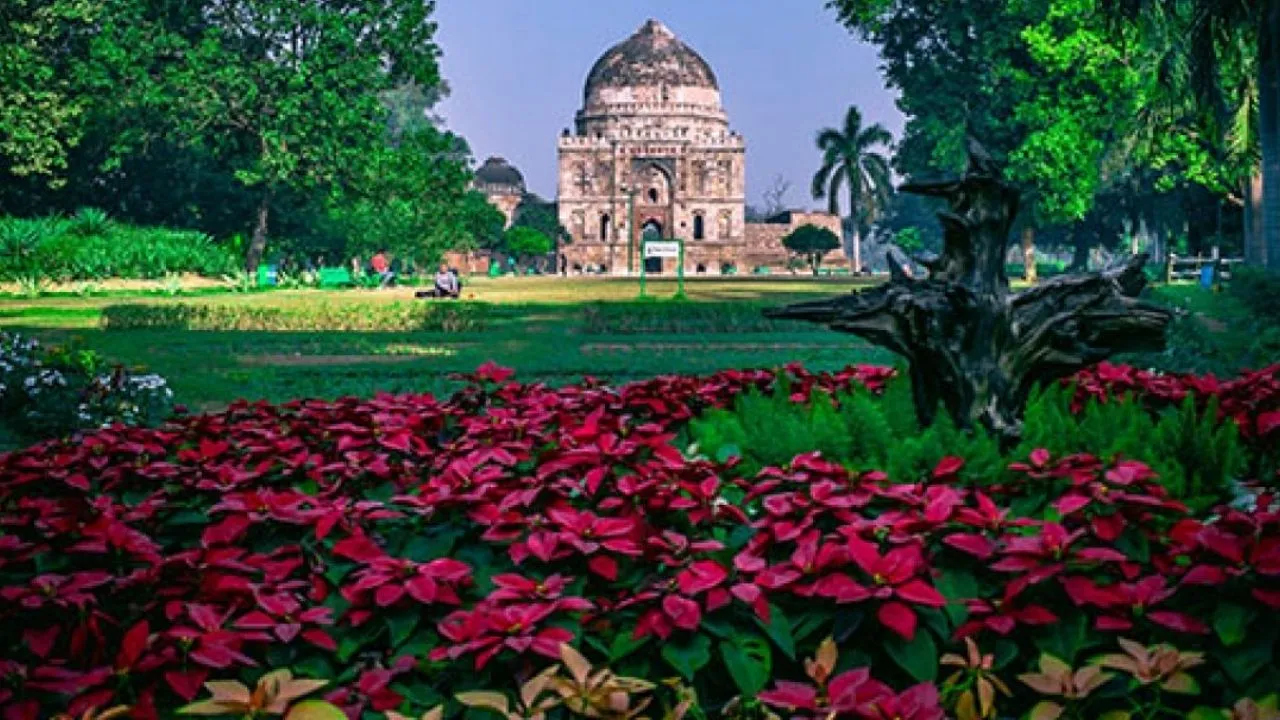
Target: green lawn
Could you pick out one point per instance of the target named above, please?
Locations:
(537, 325)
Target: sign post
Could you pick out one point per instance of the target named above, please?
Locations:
(663, 249)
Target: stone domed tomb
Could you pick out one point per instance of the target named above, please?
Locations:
(651, 154)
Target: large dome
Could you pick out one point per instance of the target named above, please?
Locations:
(651, 58)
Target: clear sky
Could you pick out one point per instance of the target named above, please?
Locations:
(785, 67)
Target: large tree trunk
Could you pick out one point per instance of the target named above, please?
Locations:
(1029, 254)
(1269, 130)
(857, 249)
(258, 243)
(975, 349)
(1254, 250)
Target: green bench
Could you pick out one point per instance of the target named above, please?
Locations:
(335, 277)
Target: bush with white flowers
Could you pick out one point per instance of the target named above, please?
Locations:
(52, 392)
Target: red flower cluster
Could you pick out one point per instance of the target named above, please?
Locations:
(405, 546)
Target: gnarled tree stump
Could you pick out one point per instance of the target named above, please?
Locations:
(974, 348)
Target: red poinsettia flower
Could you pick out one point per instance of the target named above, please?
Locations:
(206, 641)
(67, 591)
(849, 693)
(919, 702)
(1122, 602)
(1002, 616)
(681, 601)
(285, 618)
(392, 579)
(895, 579)
(487, 630)
(808, 570)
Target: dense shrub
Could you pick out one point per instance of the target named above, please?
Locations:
(407, 549)
(50, 392)
(90, 246)
(1258, 291)
(311, 317)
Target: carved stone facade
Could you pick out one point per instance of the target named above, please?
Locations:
(652, 155)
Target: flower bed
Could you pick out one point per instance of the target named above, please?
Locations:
(408, 549)
(51, 392)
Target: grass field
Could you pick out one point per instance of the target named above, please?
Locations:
(538, 325)
(550, 329)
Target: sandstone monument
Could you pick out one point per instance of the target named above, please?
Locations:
(652, 154)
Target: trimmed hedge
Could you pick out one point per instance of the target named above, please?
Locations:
(666, 316)
(371, 317)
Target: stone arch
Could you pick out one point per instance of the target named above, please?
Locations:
(654, 184)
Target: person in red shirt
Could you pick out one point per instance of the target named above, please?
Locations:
(381, 265)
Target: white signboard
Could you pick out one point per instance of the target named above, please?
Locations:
(662, 249)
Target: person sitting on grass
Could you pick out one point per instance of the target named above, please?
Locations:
(446, 285)
(381, 265)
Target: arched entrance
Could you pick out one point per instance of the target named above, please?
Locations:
(651, 230)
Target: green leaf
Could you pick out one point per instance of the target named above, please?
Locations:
(436, 544)
(749, 661)
(314, 666)
(689, 655)
(1206, 713)
(1065, 638)
(623, 645)
(919, 657)
(957, 586)
(725, 452)
(779, 631)
(1244, 661)
(1231, 622)
(401, 625)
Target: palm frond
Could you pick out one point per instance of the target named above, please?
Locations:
(818, 186)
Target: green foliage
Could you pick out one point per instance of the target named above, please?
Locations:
(409, 198)
(540, 215)
(317, 317)
(812, 242)
(1258, 292)
(40, 118)
(1196, 456)
(524, 241)
(854, 428)
(92, 247)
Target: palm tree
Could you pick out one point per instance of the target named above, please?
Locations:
(850, 157)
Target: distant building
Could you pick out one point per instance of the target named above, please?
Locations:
(502, 184)
(764, 239)
(651, 155)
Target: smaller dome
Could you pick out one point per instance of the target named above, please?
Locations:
(497, 174)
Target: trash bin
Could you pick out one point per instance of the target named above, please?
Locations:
(494, 269)
(1206, 277)
(268, 275)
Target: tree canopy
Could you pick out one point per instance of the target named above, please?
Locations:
(812, 243)
(307, 122)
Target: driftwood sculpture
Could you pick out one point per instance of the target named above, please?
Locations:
(974, 348)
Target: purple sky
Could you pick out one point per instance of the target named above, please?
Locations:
(517, 68)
